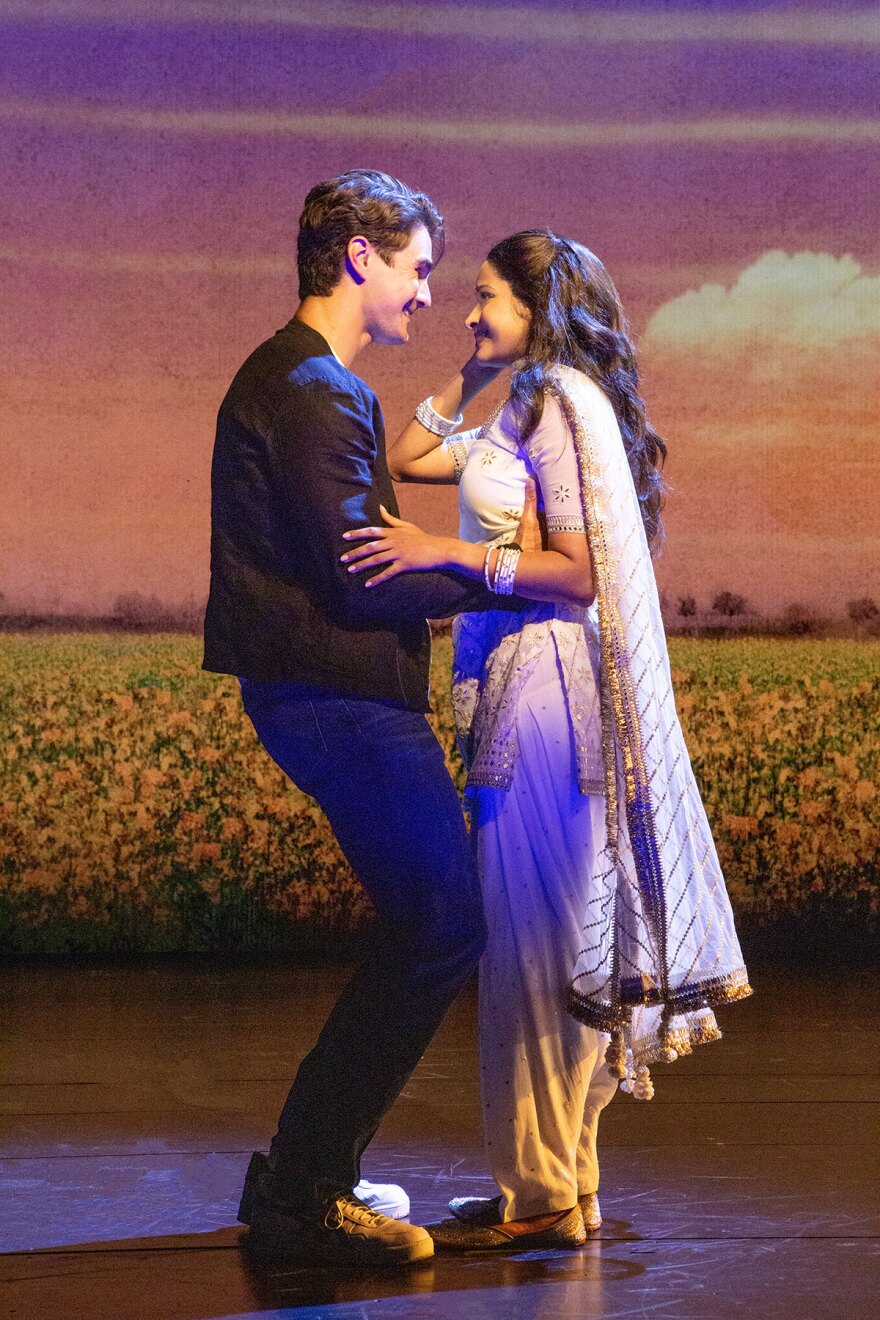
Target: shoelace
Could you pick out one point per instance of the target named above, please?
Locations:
(343, 1208)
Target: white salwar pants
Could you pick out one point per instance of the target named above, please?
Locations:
(543, 1080)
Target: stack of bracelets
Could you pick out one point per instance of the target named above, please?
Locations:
(431, 420)
(501, 581)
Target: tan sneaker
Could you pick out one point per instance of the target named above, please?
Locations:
(349, 1233)
(373, 1235)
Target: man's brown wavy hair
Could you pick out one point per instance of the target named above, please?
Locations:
(368, 203)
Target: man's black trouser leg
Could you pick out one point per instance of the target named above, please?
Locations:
(379, 774)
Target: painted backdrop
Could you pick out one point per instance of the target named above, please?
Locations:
(721, 158)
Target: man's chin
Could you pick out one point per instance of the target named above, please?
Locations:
(390, 337)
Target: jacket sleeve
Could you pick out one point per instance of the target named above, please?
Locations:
(326, 448)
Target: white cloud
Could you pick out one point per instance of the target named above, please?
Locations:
(812, 300)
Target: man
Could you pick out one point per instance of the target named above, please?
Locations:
(335, 679)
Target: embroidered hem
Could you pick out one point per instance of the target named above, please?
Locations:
(565, 522)
(485, 779)
(605, 1015)
(698, 1029)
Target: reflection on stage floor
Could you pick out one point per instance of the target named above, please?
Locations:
(133, 1096)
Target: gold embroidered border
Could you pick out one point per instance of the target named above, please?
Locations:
(598, 1014)
(713, 992)
(616, 682)
(485, 779)
(458, 453)
(683, 1040)
(690, 996)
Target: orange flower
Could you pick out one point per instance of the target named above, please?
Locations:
(180, 719)
(120, 796)
(41, 879)
(190, 821)
(740, 826)
(206, 852)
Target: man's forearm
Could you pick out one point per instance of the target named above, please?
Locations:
(411, 597)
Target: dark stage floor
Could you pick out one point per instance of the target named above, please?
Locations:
(133, 1097)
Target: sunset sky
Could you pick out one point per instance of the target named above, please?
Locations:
(722, 159)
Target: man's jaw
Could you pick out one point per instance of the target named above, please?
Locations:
(385, 335)
(406, 318)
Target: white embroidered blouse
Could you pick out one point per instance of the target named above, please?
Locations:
(494, 653)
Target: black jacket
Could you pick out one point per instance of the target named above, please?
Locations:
(299, 459)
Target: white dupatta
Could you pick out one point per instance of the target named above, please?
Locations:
(659, 946)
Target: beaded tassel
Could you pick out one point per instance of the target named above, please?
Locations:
(615, 1056)
(667, 1038)
(643, 1087)
(627, 1082)
(637, 1081)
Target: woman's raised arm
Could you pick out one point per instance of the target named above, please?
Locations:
(418, 453)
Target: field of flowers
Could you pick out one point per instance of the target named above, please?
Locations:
(138, 811)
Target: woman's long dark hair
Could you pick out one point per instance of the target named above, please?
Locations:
(578, 321)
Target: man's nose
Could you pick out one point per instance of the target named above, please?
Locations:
(423, 297)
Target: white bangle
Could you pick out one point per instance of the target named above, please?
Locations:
(486, 567)
(496, 576)
(501, 575)
(505, 571)
(506, 585)
(431, 420)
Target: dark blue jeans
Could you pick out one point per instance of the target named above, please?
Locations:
(378, 773)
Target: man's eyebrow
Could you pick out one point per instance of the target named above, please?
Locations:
(426, 261)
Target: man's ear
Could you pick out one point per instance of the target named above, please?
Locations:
(357, 257)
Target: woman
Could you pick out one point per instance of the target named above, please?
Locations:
(601, 883)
